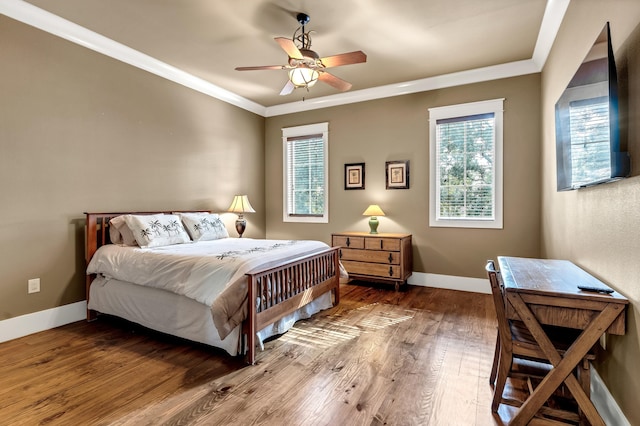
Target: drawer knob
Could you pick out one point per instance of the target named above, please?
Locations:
(390, 271)
(390, 258)
(340, 253)
(348, 242)
(380, 244)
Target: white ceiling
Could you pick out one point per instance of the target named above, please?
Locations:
(411, 45)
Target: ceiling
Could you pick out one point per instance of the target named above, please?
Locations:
(407, 42)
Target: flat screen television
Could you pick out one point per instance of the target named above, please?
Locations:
(587, 128)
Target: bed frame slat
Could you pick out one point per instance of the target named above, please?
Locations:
(282, 289)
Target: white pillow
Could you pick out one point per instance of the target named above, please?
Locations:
(157, 230)
(204, 226)
(120, 233)
(114, 235)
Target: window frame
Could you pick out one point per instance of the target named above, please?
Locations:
(297, 132)
(494, 106)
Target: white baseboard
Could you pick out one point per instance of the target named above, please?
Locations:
(474, 285)
(24, 325)
(605, 404)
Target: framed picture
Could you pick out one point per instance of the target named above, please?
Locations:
(397, 173)
(354, 176)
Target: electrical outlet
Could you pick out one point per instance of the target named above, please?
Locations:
(34, 285)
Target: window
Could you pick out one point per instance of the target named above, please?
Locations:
(465, 146)
(306, 188)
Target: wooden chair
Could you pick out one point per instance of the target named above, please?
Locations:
(514, 341)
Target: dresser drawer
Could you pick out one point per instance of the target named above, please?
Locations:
(373, 256)
(372, 269)
(348, 241)
(382, 244)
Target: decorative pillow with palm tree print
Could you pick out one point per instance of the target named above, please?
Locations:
(157, 230)
(204, 226)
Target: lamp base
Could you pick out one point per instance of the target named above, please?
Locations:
(241, 225)
(373, 224)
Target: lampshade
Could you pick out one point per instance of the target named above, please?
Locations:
(303, 77)
(373, 210)
(240, 205)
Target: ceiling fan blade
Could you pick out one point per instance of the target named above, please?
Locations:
(344, 59)
(289, 47)
(334, 81)
(264, 67)
(288, 88)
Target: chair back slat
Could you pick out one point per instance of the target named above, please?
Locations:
(497, 291)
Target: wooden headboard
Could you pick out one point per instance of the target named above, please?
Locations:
(97, 232)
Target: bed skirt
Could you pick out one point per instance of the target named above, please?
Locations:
(179, 316)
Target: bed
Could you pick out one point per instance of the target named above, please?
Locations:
(287, 280)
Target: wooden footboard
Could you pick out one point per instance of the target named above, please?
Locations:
(282, 289)
(276, 290)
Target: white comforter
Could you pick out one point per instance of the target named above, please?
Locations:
(210, 272)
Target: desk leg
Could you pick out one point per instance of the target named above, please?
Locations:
(563, 366)
(584, 377)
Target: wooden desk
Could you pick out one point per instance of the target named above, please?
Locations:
(543, 291)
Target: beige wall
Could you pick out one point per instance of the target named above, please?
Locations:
(599, 228)
(82, 132)
(397, 129)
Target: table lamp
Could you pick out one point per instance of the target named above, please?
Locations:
(241, 205)
(373, 210)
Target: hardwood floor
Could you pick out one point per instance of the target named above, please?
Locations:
(416, 357)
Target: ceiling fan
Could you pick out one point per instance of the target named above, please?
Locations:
(305, 66)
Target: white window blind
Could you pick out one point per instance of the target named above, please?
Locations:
(305, 174)
(466, 161)
(589, 127)
(466, 165)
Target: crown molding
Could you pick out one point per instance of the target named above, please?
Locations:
(553, 15)
(493, 72)
(53, 24)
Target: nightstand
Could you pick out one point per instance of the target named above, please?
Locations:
(386, 258)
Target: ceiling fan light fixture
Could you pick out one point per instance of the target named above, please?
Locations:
(306, 66)
(304, 77)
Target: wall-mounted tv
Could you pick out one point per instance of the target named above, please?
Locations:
(587, 128)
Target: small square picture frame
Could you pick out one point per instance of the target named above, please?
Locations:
(397, 174)
(354, 176)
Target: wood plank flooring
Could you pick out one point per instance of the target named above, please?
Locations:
(416, 357)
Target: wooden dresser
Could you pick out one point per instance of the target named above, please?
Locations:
(386, 258)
